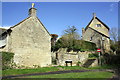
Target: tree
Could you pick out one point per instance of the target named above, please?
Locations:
(70, 36)
(114, 42)
(114, 34)
(53, 41)
(71, 40)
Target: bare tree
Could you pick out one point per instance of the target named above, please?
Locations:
(70, 36)
(114, 39)
(114, 34)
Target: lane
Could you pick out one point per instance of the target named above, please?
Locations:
(55, 72)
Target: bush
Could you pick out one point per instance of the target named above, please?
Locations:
(7, 60)
(79, 45)
(78, 63)
(88, 46)
(93, 55)
(111, 59)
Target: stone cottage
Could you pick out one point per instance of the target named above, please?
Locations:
(29, 40)
(97, 32)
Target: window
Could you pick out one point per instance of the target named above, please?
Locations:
(98, 25)
(90, 38)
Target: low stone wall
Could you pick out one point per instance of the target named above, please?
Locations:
(67, 56)
(77, 57)
(95, 63)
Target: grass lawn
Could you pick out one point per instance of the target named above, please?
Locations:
(45, 69)
(38, 70)
(77, 75)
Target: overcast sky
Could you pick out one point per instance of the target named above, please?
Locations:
(57, 16)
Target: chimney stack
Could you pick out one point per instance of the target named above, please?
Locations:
(32, 11)
(83, 31)
(94, 15)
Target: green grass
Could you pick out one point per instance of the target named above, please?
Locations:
(45, 69)
(38, 70)
(77, 75)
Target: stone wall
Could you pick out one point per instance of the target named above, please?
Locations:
(62, 55)
(101, 29)
(98, 39)
(31, 44)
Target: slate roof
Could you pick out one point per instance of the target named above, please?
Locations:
(99, 32)
(99, 21)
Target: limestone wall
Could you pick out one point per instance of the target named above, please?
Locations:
(74, 56)
(31, 44)
(97, 39)
(101, 29)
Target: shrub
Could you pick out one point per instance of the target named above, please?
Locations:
(7, 60)
(88, 46)
(78, 63)
(93, 55)
(111, 59)
(79, 45)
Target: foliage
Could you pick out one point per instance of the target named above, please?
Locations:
(53, 39)
(93, 55)
(111, 59)
(78, 63)
(113, 45)
(88, 46)
(6, 59)
(115, 42)
(114, 34)
(79, 45)
(71, 40)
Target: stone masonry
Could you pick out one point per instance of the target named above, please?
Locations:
(97, 32)
(30, 41)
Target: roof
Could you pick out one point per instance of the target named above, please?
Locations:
(99, 32)
(19, 22)
(43, 26)
(24, 21)
(13, 26)
(2, 30)
(99, 21)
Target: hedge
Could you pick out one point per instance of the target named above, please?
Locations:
(7, 60)
(79, 45)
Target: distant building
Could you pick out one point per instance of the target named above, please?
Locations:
(29, 40)
(97, 32)
(2, 30)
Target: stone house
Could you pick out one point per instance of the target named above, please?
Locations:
(2, 30)
(97, 32)
(29, 40)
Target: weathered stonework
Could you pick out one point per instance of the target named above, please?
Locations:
(31, 43)
(63, 55)
(98, 35)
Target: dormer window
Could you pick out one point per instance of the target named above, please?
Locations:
(98, 25)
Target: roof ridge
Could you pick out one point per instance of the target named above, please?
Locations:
(20, 22)
(99, 32)
(99, 21)
(43, 26)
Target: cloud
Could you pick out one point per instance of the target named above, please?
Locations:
(112, 7)
(5, 27)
